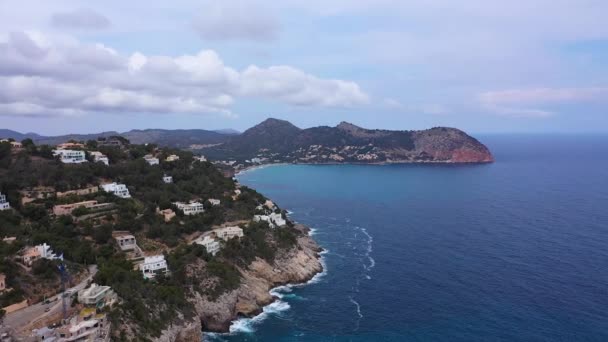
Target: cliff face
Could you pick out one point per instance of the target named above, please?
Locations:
(298, 265)
(295, 266)
(279, 141)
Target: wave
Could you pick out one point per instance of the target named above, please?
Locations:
(247, 325)
(358, 307)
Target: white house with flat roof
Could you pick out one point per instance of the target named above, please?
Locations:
(167, 179)
(200, 158)
(154, 265)
(119, 190)
(4, 204)
(96, 295)
(192, 208)
(70, 156)
(228, 233)
(99, 157)
(274, 219)
(151, 160)
(172, 158)
(214, 201)
(211, 245)
(46, 252)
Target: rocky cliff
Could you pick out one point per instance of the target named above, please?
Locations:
(294, 266)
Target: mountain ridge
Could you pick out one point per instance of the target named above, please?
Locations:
(275, 140)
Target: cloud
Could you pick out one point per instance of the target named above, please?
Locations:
(518, 102)
(86, 19)
(72, 78)
(236, 20)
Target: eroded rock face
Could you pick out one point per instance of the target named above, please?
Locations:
(296, 266)
(187, 332)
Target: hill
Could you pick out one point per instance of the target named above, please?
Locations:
(280, 141)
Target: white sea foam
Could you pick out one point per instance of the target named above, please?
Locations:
(358, 307)
(247, 325)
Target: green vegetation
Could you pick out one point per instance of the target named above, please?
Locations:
(85, 236)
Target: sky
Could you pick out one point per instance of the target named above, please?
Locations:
(484, 66)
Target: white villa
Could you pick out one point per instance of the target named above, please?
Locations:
(96, 295)
(167, 179)
(151, 160)
(4, 205)
(70, 156)
(214, 201)
(200, 158)
(153, 265)
(274, 219)
(210, 244)
(172, 158)
(192, 208)
(126, 242)
(99, 157)
(119, 190)
(228, 233)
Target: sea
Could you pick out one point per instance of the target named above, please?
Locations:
(516, 250)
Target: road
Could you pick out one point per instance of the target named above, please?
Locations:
(18, 320)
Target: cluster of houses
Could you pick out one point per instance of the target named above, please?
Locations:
(88, 324)
(270, 215)
(150, 266)
(210, 241)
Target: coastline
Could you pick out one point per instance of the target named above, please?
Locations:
(428, 162)
(260, 281)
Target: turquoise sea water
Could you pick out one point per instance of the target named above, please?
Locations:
(512, 251)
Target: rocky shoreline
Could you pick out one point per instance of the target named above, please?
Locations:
(296, 266)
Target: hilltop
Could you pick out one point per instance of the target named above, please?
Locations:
(280, 141)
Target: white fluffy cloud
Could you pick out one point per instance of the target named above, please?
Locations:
(40, 76)
(529, 102)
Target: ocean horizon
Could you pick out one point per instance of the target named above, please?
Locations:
(509, 251)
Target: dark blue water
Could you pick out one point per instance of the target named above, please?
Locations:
(512, 251)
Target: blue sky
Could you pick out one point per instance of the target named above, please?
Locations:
(482, 66)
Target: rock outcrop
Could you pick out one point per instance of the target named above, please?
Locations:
(295, 266)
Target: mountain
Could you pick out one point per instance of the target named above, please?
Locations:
(178, 138)
(9, 134)
(280, 141)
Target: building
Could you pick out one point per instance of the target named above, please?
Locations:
(86, 327)
(273, 220)
(126, 242)
(70, 156)
(14, 144)
(9, 239)
(43, 251)
(2, 282)
(200, 158)
(99, 157)
(154, 265)
(119, 190)
(167, 179)
(66, 209)
(69, 145)
(97, 296)
(78, 192)
(228, 233)
(210, 244)
(110, 142)
(214, 201)
(192, 208)
(168, 214)
(29, 256)
(151, 160)
(236, 195)
(172, 158)
(4, 205)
